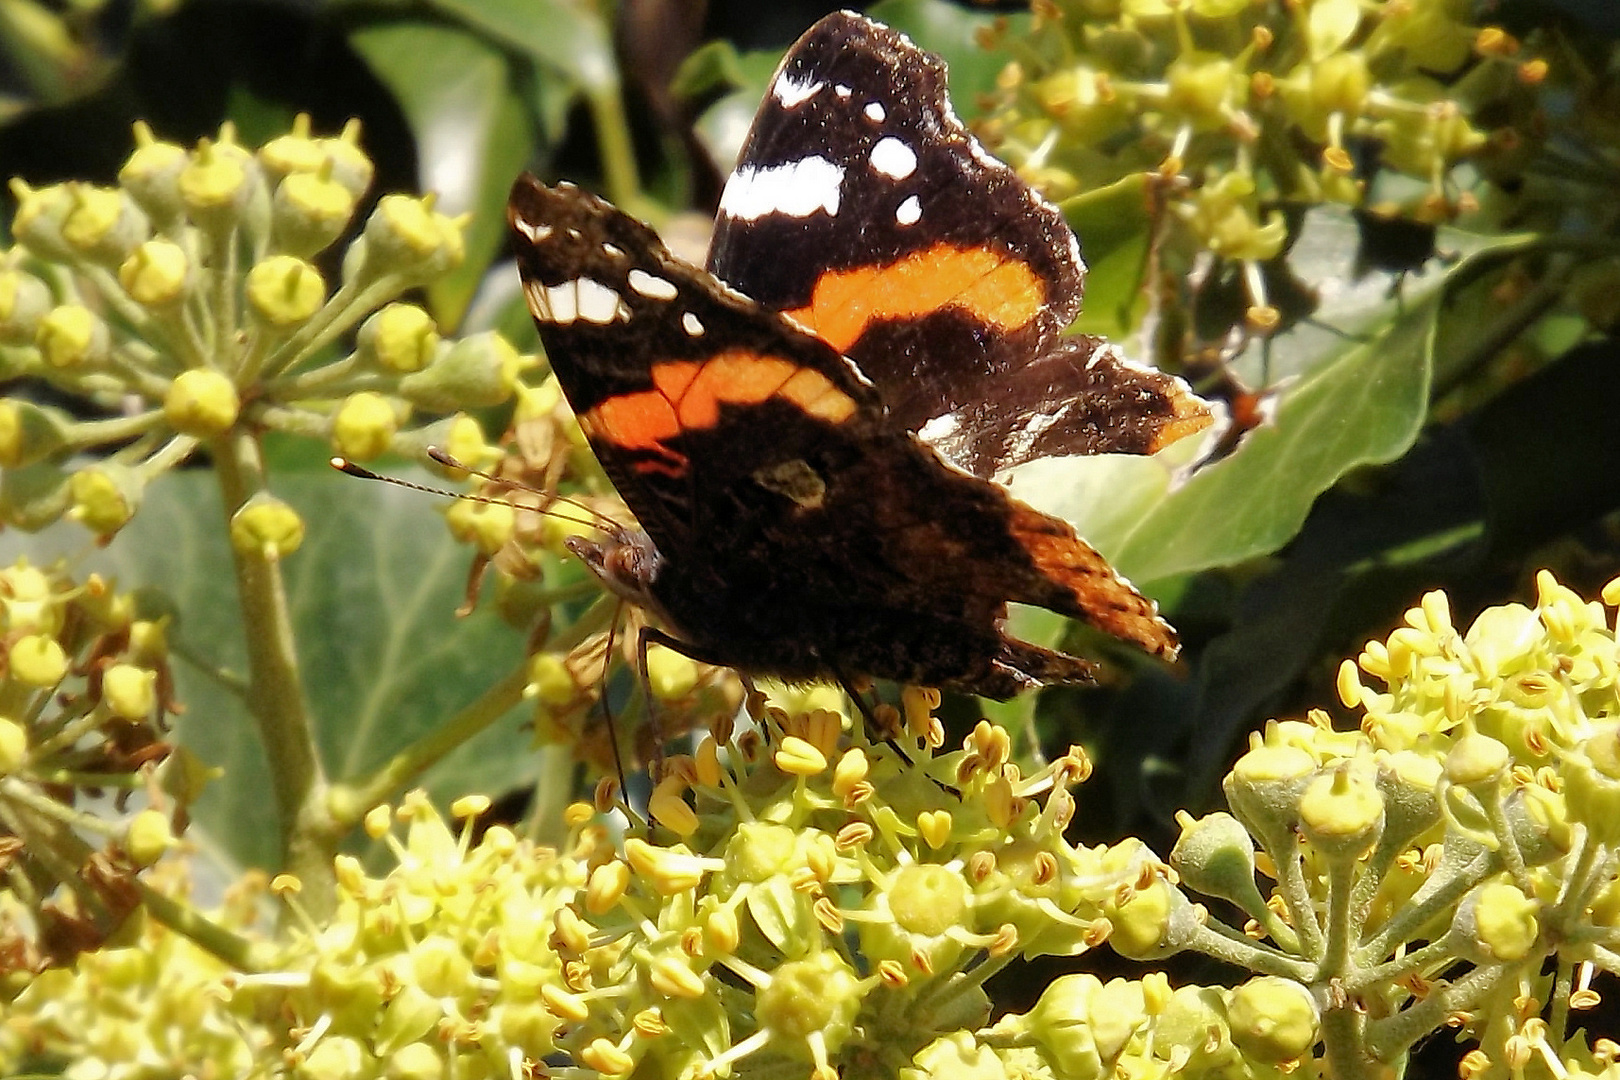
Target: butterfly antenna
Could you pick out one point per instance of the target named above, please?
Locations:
(596, 520)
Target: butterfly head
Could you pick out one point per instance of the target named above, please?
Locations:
(626, 561)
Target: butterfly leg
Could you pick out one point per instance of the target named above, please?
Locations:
(607, 709)
(874, 730)
(650, 636)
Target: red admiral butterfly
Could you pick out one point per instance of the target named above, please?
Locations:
(810, 456)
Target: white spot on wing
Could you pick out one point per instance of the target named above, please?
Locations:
(692, 325)
(1023, 440)
(612, 251)
(558, 303)
(534, 231)
(940, 427)
(596, 303)
(910, 211)
(792, 92)
(652, 286)
(875, 112)
(796, 188)
(842, 91)
(891, 157)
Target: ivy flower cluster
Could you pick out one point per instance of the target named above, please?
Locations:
(1238, 108)
(205, 299)
(1427, 866)
(84, 699)
(805, 898)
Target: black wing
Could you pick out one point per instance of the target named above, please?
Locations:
(801, 531)
(864, 208)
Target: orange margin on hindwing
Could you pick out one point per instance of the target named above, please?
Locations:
(687, 395)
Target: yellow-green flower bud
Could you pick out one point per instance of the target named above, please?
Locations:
(541, 402)
(24, 300)
(487, 526)
(202, 403)
(34, 496)
(336, 1057)
(1409, 782)
(294, 152)
(310, 210)
(1477, 760)
(129, 691)
(1196, 1019)
(1118, 1012)
(926, 900)
(350, 165)
(1225, 216)
(29, 433)
(399, 337)
(955, 1057)
(1539, 820)
(550, 681)
(105, 496)
(1336, 84)
(157, 274)
(819, 994)
(670, 675)
(284, 291)
(38, 661)
(464, 441)
(406, 236)
(1263, 788)
(216, 184)
(1592, 784)
(149, 641)
(71, 336)
(267, 528)
(1082, 101)
(364, 425)
(1431, 37)
(1273, 1020)
(1341, 813)
(416, 1061)
(37, 225)
(1144, 924)
(1500, 921)
(148, 836)
(1204, 86)
(13, 746)
(29, 600)
(408, 1017)
(103, 224)
(1060, 1023)
(152, 175)
(478, 371)
(1215, 856)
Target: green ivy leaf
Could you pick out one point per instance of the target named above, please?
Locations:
(565, 36)
(1357, 401)
(1114, 228)
(372, 595)
(472, 135)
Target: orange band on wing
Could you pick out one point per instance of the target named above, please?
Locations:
(989, 285)
(688, 395)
